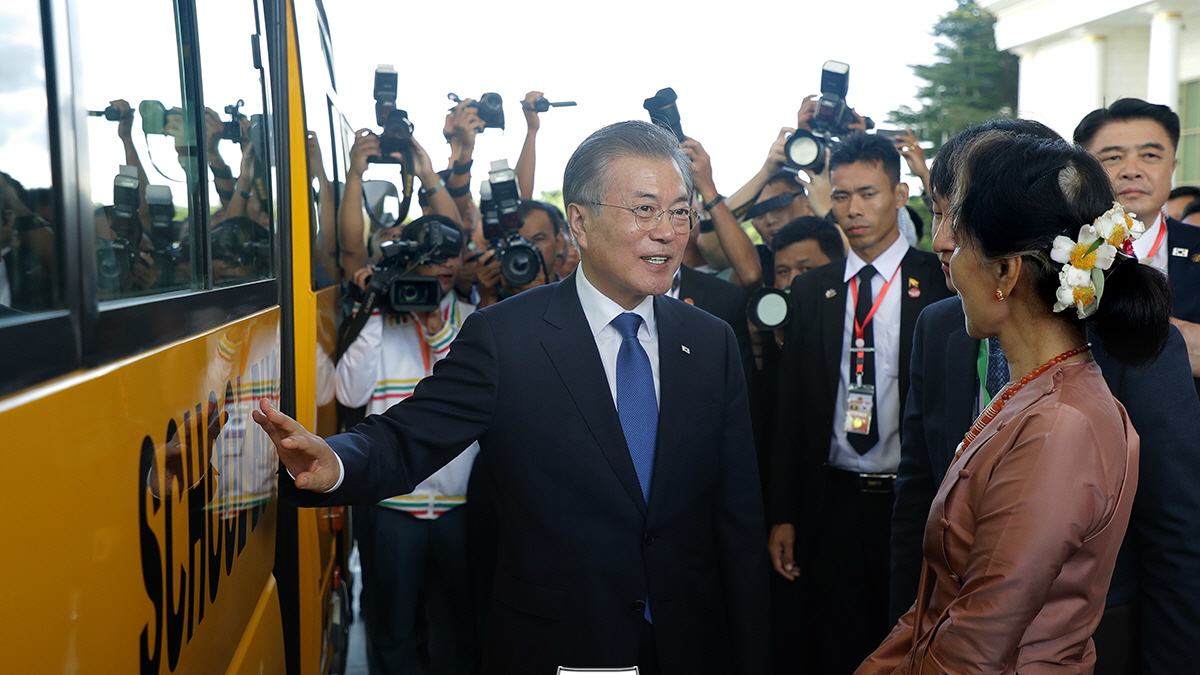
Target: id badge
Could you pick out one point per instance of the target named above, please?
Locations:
(860, 404)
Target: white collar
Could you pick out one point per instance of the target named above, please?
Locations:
(885, 265)
(1143, 244)
(600, 310)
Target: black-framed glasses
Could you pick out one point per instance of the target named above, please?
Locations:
(647, 216)
(779, 201)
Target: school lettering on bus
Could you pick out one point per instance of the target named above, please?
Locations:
(204, 485)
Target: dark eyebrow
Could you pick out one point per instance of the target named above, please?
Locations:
(1112, 148)
(642, 194)
(1152, 145)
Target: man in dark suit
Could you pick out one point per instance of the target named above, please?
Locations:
(1136, 142)
(632, 533)
(1153, 616)
(837, 443)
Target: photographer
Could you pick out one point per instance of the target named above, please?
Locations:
(544, 226)
(461, 127)
(733, 240)
(411, 545)
(350, 215)
(567, 257)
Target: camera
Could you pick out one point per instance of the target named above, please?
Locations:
(500, 206)
(233, 128)
(541, 105)
(664, 112)
(397, 129)
(429, 239)
(489, 107)
(126, 200)
(111, 113)
(769, 308)
(806, 149)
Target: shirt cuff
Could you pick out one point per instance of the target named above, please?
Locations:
(341, 474)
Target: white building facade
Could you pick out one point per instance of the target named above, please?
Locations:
(1079, 55)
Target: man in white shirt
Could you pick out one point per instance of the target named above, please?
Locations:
(843, 380)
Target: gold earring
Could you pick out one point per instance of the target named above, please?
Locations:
(999, 294)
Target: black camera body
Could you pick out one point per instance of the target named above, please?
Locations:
(664, 112)
(397, 129)
(429, 239)
(489, 107)
(831, 123)
(500, 206)
(233, 128)
(127, 198)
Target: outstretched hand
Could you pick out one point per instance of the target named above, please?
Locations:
(306, 455)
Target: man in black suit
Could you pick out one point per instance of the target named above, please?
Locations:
(1136, 141)
(837, 442)
(632, 534)
(1155, 590)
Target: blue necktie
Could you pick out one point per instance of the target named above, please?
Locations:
(637, 406)
(997, 369)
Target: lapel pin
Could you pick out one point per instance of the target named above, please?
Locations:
(1179, 252)
(685, 349)
(1196, 258)
(914, 288)
(690, 301)
(830, 293)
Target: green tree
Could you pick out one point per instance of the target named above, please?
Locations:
(971, 81)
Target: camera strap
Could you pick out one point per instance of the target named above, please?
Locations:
(351, 328)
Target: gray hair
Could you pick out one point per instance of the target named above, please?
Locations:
(587, 176)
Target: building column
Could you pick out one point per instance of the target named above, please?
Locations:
(1096, 44)
(1162, 81)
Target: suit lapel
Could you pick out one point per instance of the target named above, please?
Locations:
(672, 366)
(833, 322)
(572, 350)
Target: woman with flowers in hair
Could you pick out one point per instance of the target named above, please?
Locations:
(1023, 535)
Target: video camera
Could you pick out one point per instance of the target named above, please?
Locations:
(500, 206)
(233, 128)
(429, 239)
(111, 113)
(489, 107)
(664, 112)
(831, 123)
(397, 129)
(541, 105)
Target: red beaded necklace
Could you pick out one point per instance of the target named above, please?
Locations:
(989, 413)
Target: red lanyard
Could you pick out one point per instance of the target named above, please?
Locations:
(860, 330)
(1162, 233)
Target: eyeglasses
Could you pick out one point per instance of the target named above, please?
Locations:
(648, 216)
(779, 201)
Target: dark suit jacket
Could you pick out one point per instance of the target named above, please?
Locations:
(808, 381)
(1184, 270)
(723, 300)
(1159, 563)
(579, 549)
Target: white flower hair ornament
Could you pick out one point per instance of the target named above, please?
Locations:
(1081, 280)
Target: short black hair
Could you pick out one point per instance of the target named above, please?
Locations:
(1192, 191)
(551, 211)
(870, 149)
(803, 228)
(792, 180)
(1192, 207)
(941, 173)
(1123, 110)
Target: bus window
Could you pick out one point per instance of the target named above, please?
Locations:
(30, 230)
(142, 150)
(239, 176)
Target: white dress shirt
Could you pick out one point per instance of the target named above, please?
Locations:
(600, 310)
(884, 457)
(1142, 246)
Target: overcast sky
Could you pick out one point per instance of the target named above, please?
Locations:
(741, 69)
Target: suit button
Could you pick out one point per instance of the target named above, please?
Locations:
(649, 539)
(963, 473)
(638, 606)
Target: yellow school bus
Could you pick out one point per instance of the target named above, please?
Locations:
(168, 171)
